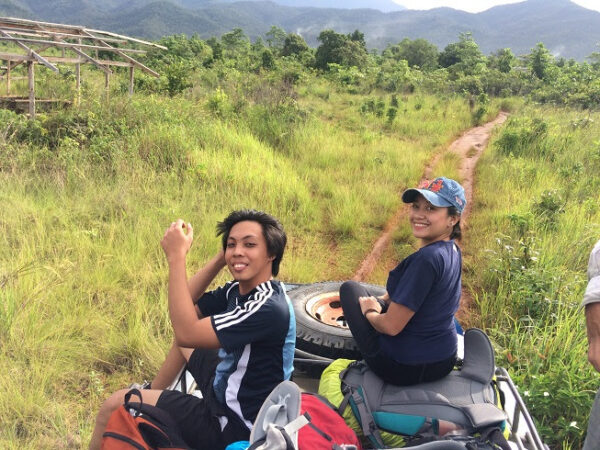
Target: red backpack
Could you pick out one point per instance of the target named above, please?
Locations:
(293, 420)
(138, 426)
(326, 429)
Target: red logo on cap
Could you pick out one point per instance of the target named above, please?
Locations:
(436, 186)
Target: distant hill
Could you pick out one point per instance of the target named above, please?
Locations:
(380, 5)
(565, 28)
(14, 8)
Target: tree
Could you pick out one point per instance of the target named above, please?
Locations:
(359, 37)
(595, 59)
(217, 48)
(268, 61)
(341, 49)
(294, 44)
(235, 42)
(276, 37)
(419, 53)
(539, 61)
(463, 57)
(503, 60)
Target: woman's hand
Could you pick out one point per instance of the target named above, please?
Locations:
(177, 240)
(367, 303)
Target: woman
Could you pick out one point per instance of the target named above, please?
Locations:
(408, 336)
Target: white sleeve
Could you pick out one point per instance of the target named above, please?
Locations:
(592, 292)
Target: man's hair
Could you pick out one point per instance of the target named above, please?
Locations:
(271, 228)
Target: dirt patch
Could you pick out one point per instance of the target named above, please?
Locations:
(469, 148)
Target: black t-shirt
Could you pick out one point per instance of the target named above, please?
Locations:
(257, 332)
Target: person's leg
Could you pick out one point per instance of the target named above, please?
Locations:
(149, 396)
(592, 439)
(366, 337)
(205, 362)
(438, 370)
(198, 419)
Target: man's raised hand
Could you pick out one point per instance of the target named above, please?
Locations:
(177, 240)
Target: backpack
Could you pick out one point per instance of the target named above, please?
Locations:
(291, 420)
(326, 429)
(397, 416)
(138, 426)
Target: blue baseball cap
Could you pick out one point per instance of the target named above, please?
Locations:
(442, 192)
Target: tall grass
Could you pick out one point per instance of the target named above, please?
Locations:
(534, 222)
(87, 193)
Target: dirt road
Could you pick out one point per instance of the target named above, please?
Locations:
(469, 148)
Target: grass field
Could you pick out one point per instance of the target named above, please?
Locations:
(86, 195)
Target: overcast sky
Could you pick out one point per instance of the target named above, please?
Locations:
(478, 5)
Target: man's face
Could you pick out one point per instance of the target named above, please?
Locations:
(246, 255)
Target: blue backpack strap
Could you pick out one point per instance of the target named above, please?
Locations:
(362, 412)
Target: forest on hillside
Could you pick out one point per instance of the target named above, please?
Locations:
(323, 138)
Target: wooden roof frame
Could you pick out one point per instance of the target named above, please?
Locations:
(79, 40)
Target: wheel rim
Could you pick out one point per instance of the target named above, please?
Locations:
(327, 309)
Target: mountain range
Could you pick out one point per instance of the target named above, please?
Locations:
(566, 29)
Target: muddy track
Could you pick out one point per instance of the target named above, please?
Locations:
(469, 148)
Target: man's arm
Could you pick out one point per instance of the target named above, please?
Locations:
(200, 281)
(190, 331)
(591, 302)
(592, 319)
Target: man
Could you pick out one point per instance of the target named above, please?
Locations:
(238, 340)
(591, 302)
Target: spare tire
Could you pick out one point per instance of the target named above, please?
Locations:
(320, 325)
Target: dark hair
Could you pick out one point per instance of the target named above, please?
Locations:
(456, 231)
(272, 232)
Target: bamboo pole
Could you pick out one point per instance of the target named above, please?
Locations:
(131, 80)
(32, 53)
(58, 42)
(8, 77)
(107, 85)
(78, 79)
(31, 77)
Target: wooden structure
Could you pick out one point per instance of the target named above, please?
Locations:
(77, 45)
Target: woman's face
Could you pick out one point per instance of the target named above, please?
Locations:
(430, 223)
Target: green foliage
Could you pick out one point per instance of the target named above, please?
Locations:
(418, 53)
(235, 42)
(340, 49)
(294, 44)
(524, 137)
(391, 114)
(539, 61)
(375, 107)
(548, 208)
(396, 77)
(463, 57)
(267, 59)
(537, 222)
(234, 124)
(276, 38)
(503, 60)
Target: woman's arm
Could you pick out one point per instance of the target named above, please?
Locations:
(392, 321)
(385, 298)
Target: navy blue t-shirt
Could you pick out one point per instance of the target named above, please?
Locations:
(257, 332)
(427, 282)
